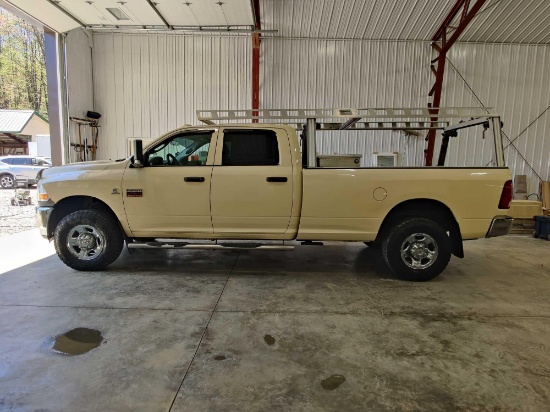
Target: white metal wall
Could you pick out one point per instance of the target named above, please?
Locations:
(514, 79)
(349, 73)
(79, 81)
(146, 85)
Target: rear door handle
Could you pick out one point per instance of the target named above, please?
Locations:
(276, 179)
(193, 179)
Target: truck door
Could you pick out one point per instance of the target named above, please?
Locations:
(170, 196)
(252, 182)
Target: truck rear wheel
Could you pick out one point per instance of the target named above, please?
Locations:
(88, 240)
(417, 249)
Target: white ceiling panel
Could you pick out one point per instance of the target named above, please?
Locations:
(355, 19)
(46, 13)
(499, 21)
(207, 12)
(93, 12)
(511, 21)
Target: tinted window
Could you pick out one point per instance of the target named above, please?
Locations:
(7, 161)
(250, 148)
(20, 161)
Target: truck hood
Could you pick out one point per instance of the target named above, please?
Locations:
(78, 168)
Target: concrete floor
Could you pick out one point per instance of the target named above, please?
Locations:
(201, 330)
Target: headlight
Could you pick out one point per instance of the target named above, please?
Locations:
(42, 195)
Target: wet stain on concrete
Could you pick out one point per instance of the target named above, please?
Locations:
(333, 382)
(270, 340)
(219, 357)
(77, 341)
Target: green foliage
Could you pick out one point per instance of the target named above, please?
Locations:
(22, 65)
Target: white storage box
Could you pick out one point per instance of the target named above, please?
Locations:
(343, 160)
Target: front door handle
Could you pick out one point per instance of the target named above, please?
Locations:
(277, 179)
(193, 179)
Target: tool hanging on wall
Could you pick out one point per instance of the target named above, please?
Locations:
(82, 147)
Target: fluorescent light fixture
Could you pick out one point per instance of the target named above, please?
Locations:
(118, 14)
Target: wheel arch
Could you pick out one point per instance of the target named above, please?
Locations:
(75, 203)
(429, 209)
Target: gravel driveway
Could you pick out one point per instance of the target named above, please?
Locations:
(15, 219)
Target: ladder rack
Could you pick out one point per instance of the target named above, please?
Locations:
(351, 119)
(446, 119)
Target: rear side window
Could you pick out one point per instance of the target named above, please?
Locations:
(20, 161)
(6, 161)
(250, 148)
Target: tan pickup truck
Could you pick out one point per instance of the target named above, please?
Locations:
(212, 185)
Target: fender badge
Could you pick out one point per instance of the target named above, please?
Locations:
(115, 191)
(134, 193)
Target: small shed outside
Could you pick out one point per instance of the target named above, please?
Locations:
(18, 128)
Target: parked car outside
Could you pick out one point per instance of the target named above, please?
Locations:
(20, 167)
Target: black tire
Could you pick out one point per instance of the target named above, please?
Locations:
(97, 230)
(417, 241)
(7, 181)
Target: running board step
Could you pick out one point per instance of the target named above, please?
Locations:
(209, 246)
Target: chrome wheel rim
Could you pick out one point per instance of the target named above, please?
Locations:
(86, 242)
(6, 181)
(419, 251)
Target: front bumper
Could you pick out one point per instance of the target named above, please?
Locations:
(500, 226)
(42, 215)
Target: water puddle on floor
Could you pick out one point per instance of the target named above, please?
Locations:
(270, 340)
(77, 341)
(333, 382)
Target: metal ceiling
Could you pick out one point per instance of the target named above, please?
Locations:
(511, 21)
(506, 21)
(355, 19)
(64, 15)
(500, 21)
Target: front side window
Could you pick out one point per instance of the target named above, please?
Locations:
(186, 149)
(250, 148)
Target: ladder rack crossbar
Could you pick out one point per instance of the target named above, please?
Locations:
(372, 114)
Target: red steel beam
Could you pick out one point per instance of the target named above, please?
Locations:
(256, 40)
(447, 35)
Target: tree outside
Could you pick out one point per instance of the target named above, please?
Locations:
(22, 65)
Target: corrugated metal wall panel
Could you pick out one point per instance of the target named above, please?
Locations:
(307, 73)
(79, 83)
(146, 85)
(514, 79)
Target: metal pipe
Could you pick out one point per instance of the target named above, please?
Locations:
(311, 143)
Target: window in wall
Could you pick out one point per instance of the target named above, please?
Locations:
(186, 149)
(250, 148)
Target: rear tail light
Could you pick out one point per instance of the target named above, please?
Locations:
(506, 196)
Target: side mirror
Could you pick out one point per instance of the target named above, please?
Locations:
(138, 153)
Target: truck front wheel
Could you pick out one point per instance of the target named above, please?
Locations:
(88, 240)
(417, 249)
